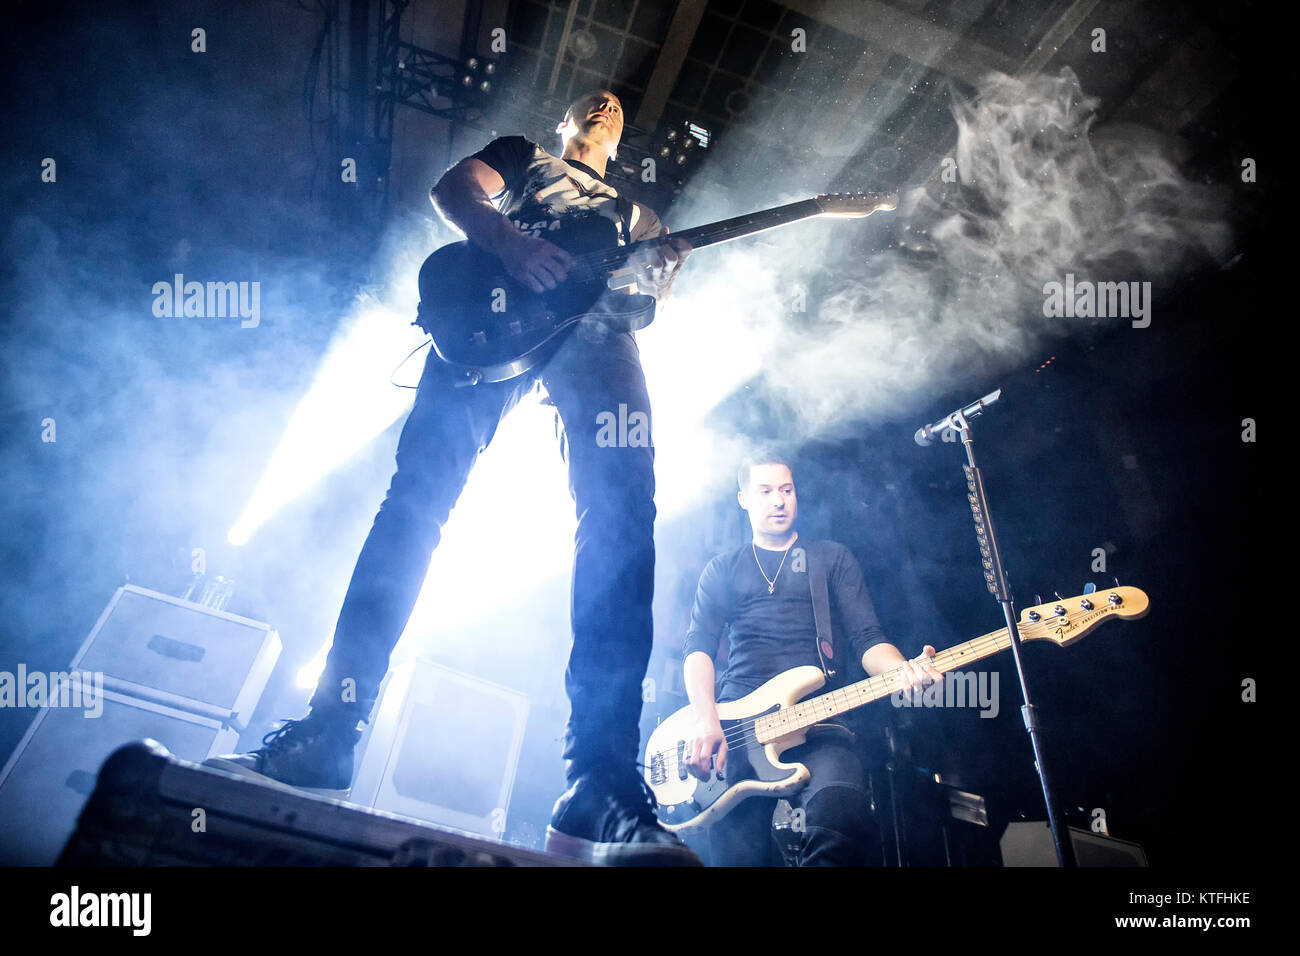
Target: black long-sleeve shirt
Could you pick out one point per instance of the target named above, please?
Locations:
(772, 632)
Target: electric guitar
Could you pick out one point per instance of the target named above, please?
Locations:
(764, 724)
(493, 327)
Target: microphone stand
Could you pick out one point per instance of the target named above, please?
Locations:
(996, 578)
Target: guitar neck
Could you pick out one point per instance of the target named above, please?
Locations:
(727, 229)
(817, 709)
(607, 261)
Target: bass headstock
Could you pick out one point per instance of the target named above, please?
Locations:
(855, 205)
(1065, 620)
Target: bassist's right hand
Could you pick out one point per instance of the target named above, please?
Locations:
(706, 741)
(538, 264)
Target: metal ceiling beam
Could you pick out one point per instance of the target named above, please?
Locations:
(1053, 39)
(668, 65)
(942, 50)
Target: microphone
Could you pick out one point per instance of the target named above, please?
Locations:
(928, 434)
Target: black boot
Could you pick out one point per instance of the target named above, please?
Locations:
(607, 817)
(315, 753)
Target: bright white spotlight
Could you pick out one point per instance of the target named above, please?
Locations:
(309, 674)
(351, 401)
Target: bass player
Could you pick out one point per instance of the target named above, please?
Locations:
(760, 595)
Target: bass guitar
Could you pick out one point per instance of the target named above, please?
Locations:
(493, 327)
(764, 724)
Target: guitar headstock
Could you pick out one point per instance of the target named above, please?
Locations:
(1066, 620)
(855, 205)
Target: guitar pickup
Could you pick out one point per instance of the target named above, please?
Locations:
(681, 760)
(622, 279)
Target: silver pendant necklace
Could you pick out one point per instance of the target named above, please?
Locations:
(771, 582)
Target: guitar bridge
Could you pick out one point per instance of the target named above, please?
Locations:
(658, 770)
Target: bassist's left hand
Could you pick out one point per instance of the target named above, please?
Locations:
(919, 673)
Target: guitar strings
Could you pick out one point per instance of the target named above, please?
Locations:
(592, 265)
(746, 729)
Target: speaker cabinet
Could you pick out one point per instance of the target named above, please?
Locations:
(180, 673)
(1030, 844)
(443, 748)
(51, 773)
(185, 655)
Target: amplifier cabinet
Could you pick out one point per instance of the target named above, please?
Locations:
(192, 657)
(177, 672)
(46, 781)
(1030, 843)
(443, 747)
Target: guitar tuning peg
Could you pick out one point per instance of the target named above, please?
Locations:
(1038, 599)
(1090, 588)
(1058, 595)
(1116, 582)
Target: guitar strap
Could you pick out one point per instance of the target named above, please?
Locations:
(626, 213)
(821, 610)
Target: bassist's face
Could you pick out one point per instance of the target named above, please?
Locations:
(770, 500)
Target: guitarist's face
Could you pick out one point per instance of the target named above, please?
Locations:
(770, 500)
(597, 119)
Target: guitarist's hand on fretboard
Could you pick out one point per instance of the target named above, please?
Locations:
(656, 265)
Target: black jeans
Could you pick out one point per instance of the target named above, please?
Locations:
(838, 828)
(594, 371)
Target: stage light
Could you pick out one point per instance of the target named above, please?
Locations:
(351, 401)
(309, 674)
(699, 134)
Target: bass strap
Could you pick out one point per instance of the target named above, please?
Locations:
(821, 610)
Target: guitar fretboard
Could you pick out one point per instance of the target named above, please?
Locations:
(809, 712)
(598, 265)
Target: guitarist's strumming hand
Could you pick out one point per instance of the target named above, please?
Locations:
(706, 741)
(538, 264)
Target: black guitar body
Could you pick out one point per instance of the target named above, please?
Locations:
(494, 327)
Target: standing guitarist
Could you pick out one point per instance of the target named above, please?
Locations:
(506, 198)
(761, 596)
